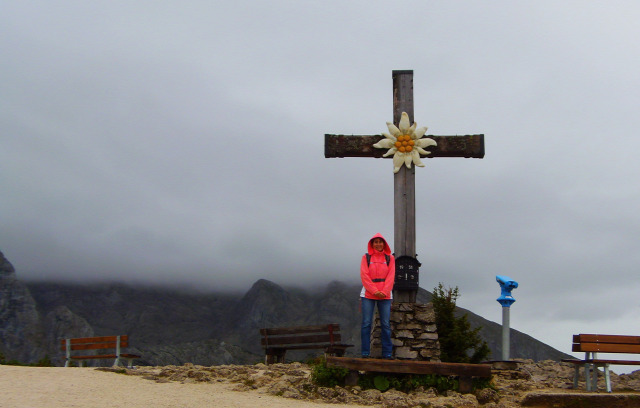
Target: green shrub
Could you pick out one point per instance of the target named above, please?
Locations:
(459, 343)
(381, 382)
(407, 382)
(324, 376)
(44, 362)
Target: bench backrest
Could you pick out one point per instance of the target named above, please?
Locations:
(606, 343)
(96, 343)
(326, 333)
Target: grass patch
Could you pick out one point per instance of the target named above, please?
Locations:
(43, 362)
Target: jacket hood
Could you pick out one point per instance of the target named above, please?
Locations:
(371, 251)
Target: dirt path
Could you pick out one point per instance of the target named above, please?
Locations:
(59, 387)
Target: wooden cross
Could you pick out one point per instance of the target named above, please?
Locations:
(469, 146)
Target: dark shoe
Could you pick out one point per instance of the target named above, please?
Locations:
(388, 358)
(367, 356)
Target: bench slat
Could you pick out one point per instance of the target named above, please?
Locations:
(606, 348)
(297, 347)
(276, 331)
(309, 346)
(98, 356)
(101, 339)
(599, 361)
(619, 362)
(606, 338)
(95, 346)
(317, 338)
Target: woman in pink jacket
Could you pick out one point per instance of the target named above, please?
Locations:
(377, 272)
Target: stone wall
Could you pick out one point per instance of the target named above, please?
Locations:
(413, 333)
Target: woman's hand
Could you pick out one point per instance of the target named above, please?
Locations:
(380, 295)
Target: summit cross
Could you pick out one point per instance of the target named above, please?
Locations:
(404, 202)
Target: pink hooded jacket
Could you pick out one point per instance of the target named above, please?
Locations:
(378, 276)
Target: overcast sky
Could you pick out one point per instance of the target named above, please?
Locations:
(181, 142)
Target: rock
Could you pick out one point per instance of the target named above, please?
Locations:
(371, 395)
(403, 334)
(487, 395)
(395, 399)
(406, 353)
(428, 316)
(531, 384)
(20, 330)
(62, 323)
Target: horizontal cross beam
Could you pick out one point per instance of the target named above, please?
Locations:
(470, 146)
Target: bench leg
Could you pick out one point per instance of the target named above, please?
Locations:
(334, 351)
(588, 369)
(275, 356)
(268, 359)
(587, 372)
(351, 378)
(591, 377)
(465, 385)
(607, 377)
(587, 376)
(576, 374)
(594, 384)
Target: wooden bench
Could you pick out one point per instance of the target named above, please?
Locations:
(97, 343)
(591, 345)
(276, 341)
(464, 372)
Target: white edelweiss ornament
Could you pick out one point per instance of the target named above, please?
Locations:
(406, 144)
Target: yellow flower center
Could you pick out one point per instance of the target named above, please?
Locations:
(404, 144)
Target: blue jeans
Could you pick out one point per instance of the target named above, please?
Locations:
(384, 310)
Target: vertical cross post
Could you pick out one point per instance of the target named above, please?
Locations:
(404, 184)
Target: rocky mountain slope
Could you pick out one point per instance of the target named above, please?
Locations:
(171, 326)
(19, 321)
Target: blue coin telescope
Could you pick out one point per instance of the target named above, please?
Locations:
(506, 300)
(506, 286)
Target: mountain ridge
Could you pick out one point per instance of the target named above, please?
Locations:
(177, 326)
